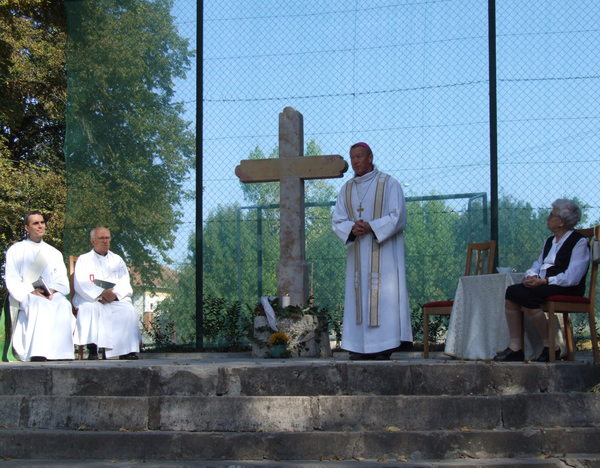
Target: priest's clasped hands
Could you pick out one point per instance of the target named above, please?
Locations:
(107, 296)
(361, 228)
(40, 293)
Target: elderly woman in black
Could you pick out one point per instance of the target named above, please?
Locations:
(559, 270)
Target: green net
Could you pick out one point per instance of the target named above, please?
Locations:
(129, 146)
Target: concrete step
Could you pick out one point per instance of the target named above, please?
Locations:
(301, 414)
(570, 461)
(300, 411)
(399, 446)
(293, 378)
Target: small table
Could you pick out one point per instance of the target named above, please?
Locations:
(478, 328)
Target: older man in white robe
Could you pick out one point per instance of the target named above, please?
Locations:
(105, 315)
(42, 322)
(370, 217)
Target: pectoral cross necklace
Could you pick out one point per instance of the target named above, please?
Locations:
(360, 208)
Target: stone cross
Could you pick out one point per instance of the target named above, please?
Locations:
(291, 169)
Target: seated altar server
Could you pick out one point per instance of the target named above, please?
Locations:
(36, 278)
(105, 314)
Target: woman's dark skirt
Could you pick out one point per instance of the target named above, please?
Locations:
(533, 298)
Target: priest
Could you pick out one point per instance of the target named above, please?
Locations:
(369, 218)
(36, 278)
(105, 314)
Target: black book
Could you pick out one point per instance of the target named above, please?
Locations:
(104, 284)
(41, 285)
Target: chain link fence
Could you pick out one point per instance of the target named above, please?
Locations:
(412, 79)
(409, 77)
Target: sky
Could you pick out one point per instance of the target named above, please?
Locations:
(411, 78)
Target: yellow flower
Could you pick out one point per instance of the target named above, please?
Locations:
(278, 338)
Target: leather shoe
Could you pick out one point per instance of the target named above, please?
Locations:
(129, 357)
(92, 352)
(38, 359)
(382, 356)
(508, 355)
(545, 355)
(358, 356)
(405, 346)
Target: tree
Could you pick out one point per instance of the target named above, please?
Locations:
(262, 193)
(325, 254)
(434, 257)
(226, 323)
(32, 101)
(127, 148)
(32, 72)
(230, 261)
(522, 231)
(175, 317)
(326, 259)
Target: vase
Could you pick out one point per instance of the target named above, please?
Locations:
(278, 351)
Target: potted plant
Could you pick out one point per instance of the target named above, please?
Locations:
(278, 342)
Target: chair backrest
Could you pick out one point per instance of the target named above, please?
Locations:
(72, 261)
(595, 254)
(484, 253)
(592, 235)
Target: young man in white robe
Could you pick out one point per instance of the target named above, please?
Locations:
(105, 314)
(370, 217)
(42, 320)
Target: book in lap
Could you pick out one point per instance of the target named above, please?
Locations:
(41, 285)
(104, 284)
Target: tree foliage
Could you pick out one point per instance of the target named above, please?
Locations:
(175, 317)
(432, 250)
(226, 322)
(32, 72)
(32, 101)
(128, 150)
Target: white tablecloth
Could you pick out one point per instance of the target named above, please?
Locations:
(478, 328)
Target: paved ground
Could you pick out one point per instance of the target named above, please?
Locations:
(580, 461)
(220, 359)
(245, 358)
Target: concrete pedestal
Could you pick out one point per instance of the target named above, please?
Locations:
(307, 339)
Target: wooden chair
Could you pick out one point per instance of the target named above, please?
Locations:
(480, 255)
(566, 305)
(72, 262)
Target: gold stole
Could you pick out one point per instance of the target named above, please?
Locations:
(374, 279)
